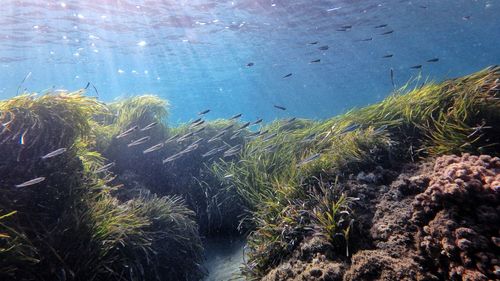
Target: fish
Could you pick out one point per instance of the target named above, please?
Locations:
(172, 158)
(309, 159)
(392, 78)
(313, 43)
(387, 32)
(197, 124)
(154, 148)
(31, 182)
(227, 128)
(184, 137)
(22, 139)
(315, 61)
(149, 126)
(244, 126)
(288, 75)
(104, 168)
(171, 138)
(139, 141)
(290, 121)
(257, 121)
(235, 116)
(233, 150)
(196, 121)
(250, 64)
(380, 129)
(22, 82)
(254, 134)
(235, 135)
(228, 176)
(87, 86)
(197, 141)
(341, 29)
(419, 66)
(433, 60)
(280, 107)
(263, 132)
(349, 128)
(54, 153)
(388, 56)
(199, 130)
(190, 148)
(309, 138)
(466, 17)
(270, 148)
(346, 26)
(381, 26)
(95, 89)
(269, 137)
(210, 152)
(204, 112)
(323, 48)
(216, 137)
(127, 132)
(366, 39)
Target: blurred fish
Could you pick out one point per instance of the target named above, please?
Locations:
(392, 78)
(22, 140)
(254, 134)
(342, 29)
(250, 64)
(204, 112)
(235, 135)
(197, 141)
(154, 148)
(199, 130)
(139, 141)
(104, 168)
(22, 82)
(196, 121)
(184, 137)
(233, 150)
(197, 124)
(210, 152)
(190, 148)
(387, 32)
(280, 107)
(225, 129)
(149, 126)
(433, 60)
(381, 26)
(269, 137)
(172, 158)
(309, 138)
(346, 26)
(349, 128)
(323, 48)
(288, 75)
(54, 153)
(388, 56)
(466, 18)
(171, 138)
(416, 66)
(263, 132)
(216, 137)
(244, 126)
(290, 121)
(315, 61)
(257, 121)
(31, 182)
(127, 132)
(87, 86)
(228, 176)
(309, 159)
(235, 116)
(313, 43)
(365, 40)
(380, 129)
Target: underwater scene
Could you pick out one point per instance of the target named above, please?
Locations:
(271, 140)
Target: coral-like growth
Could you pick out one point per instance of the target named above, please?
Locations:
(459, 218)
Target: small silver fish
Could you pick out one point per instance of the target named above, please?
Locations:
(171, 138)
(31, 182)
(210, 152)
(150, 126)
(54, 153)
(184, 137)
(217, 137)
(172, 158)
(204, 112)
(235, 135)
(139, 141)
(269, 137)
(104, 168)
(154, 148)
(235, 116)
(349, 128)
(127, 132)
(199, 130)
(257, 121)
(244, 126)
(309, 159)
(196, 121)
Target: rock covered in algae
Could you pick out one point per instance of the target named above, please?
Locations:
(459, 217)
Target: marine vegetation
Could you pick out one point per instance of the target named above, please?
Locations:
(67, 225)
(133, 196)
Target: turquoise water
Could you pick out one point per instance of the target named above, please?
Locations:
(195, 53)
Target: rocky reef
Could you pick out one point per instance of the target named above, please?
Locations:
(405, 189)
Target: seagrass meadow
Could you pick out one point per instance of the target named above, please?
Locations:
(306, 194)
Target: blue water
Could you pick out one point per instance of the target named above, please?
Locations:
(194, 53)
